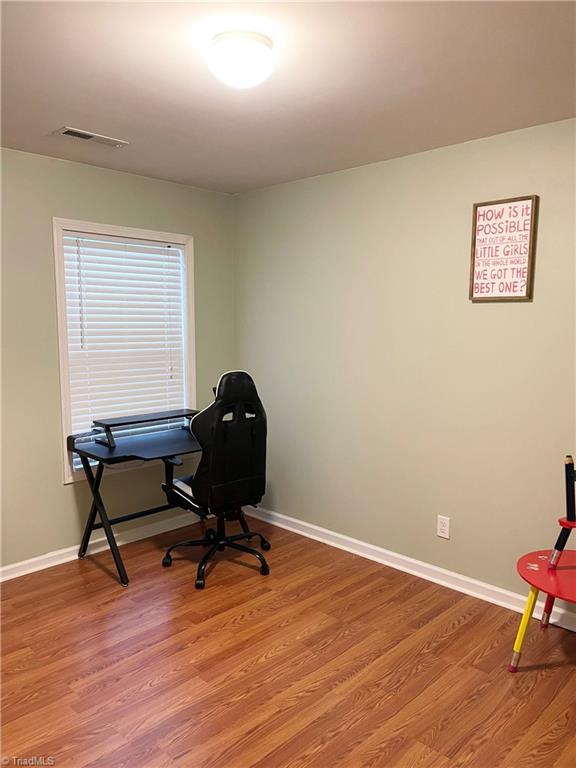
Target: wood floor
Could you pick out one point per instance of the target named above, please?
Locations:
(332, 660)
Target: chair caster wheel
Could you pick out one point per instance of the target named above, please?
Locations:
(200, 583)
(265, 545)
(210, 533)
(264, 570)
(167, 561)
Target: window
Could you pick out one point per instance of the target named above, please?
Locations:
(125, 324)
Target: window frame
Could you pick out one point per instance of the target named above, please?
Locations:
(59, 227)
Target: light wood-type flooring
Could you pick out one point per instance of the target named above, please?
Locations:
(331, 661)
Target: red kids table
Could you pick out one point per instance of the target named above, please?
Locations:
(556, 582)
(552, 571)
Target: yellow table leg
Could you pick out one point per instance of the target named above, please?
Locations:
(526, 616)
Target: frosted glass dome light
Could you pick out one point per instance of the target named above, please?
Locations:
(241, 59)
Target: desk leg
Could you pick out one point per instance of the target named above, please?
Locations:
(93, 511)
(94, 483)
(527, 615)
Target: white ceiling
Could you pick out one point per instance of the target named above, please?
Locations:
(355, 83)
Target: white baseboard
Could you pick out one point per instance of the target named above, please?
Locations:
(97, 544)
(450, 579)
(480, 589)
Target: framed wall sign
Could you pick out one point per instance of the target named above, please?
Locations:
(503, 246)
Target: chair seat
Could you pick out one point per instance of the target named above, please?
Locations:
(184, 484)
(181, 495)
(560, 582)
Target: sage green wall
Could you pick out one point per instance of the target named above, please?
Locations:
(391, 398)
(40, 514)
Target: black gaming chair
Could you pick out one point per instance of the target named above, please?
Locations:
(231, 473)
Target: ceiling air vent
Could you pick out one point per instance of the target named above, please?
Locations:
(77, 133)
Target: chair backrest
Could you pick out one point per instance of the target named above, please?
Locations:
(232, 434)
(570, 477)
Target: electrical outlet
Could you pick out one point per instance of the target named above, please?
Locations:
(443, 527)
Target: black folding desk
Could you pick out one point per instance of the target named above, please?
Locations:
(106, 449)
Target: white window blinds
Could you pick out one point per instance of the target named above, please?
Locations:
(125, 302)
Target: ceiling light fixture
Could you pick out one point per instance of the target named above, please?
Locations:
(242, 58)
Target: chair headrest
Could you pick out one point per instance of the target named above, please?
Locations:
(236, 385)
